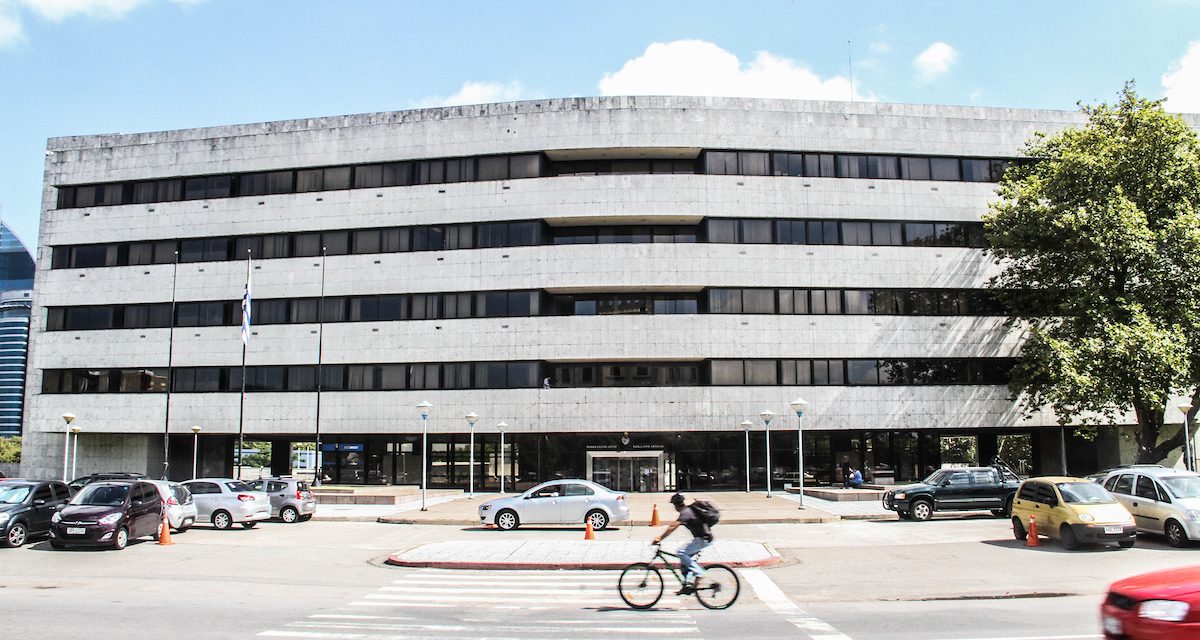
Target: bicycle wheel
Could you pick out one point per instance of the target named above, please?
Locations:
(718, 587)
(641, 585)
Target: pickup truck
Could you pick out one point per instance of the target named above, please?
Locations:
(956, 489)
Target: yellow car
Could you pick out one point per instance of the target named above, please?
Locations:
(1073, 510)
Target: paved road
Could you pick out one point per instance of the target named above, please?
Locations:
(890, 580)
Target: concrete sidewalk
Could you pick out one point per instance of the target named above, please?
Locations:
(568, 554)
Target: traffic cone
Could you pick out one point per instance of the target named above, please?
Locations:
(164, 533)
(1032, 539)
(654, 522)
(588, 534)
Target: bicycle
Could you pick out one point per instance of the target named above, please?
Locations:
(641, 583)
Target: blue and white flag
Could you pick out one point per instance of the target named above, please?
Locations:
(246, 307)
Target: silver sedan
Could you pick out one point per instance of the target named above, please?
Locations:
(557, 502)
(224, 501)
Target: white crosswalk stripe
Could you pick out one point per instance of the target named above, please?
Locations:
(496, 605)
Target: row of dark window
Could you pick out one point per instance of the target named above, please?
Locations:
(509, 304)
(526, 375)
(527, 165)
(518, 234)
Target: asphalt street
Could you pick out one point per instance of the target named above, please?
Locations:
(949, 579)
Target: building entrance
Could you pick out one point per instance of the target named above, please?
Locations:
(634, 471)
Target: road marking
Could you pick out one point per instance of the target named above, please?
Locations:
(1086, 636)
(777, 601)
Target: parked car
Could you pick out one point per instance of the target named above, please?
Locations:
(1072, 510)
(1101, 475)
(108, 513)
(81, 482)
(26, 507)
(557, 502)
(962, 489)
(224, 501)
(1163, 501)
(178, 503)
(291, 499)
(1160, 605)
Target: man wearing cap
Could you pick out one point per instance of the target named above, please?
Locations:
(701, 538)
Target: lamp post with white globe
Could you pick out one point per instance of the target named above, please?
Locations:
(798, 406)
(766, 416)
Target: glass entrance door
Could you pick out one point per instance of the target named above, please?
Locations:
(634, 472)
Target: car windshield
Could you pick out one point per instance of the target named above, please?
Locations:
(1084, 493)
(13, 495)
(1183, 486)
(935, 477)
(238, 486)
(109, 495)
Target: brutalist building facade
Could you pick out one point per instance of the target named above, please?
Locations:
(624, 282)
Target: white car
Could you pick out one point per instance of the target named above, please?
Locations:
(224, 501)
(557, 502)
(1163, 501)
(178, 503)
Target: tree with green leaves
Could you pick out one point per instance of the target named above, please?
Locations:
(1097, 234)
(10, 449)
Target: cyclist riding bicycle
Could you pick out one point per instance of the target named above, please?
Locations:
(701, 538)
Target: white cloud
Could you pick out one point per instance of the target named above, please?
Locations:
(57, 10)
(476, 93)
(934, 61)
(879, 47)
(1181, 85)
(10, 27)
(696, 67)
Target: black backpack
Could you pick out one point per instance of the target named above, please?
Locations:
(708, 512)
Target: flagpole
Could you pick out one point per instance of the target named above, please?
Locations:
(245, 341)
(170, 351)
(320, 353)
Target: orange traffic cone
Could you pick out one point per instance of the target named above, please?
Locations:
(654, 522)
(1032, 539)
(588, 534)
(164, 533)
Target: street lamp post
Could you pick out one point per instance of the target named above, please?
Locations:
(798, 405)
(195, 448)
(766, 416)
(502, 426)
(69, 418)
(471, 420)
(746, 424)
(75, 456)
(1189, 461)
(424, 408)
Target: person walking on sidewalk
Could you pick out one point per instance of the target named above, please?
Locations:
(701, 538)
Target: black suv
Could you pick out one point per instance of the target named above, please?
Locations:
(960, 489)
(26, 507)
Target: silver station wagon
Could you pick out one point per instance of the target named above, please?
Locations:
(557, 502)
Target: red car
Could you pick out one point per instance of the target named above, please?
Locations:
(1160, 605)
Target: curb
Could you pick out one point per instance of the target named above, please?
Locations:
(629, 523)
(773, 559)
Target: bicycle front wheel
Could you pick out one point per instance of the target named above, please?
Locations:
(641, 585)
(718, 588)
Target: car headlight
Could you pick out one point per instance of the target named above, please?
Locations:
(4, 517)
(1193, 515)
(1087, 517)
(1168, 610)
(900, 495)
(57, 517)
(110, 518)
(485, 507)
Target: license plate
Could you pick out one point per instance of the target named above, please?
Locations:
(1114, 529)
(1113, 626)
(76, 531)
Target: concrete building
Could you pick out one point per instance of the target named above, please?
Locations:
(622, 281)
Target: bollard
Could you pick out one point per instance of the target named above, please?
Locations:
(654, 521)
(164, 533)
(588, 533)
(1031, 540)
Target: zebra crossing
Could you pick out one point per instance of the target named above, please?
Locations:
(497, 605)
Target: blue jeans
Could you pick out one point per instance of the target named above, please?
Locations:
(691, 568)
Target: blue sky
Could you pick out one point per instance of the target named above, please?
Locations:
(97, 66)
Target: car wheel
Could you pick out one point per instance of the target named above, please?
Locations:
(1176, 535)
(182, 529)
(904, 515)
(57, 545)
(507, 520)
(1019, 529)
(1067, 535)
(289, 514)
(17, 535)
(248, 525)
(121, 540)
(1127, 544)
(922, 510)
(221, 520)
(598, 518)
(306, 517)
(1005, 512)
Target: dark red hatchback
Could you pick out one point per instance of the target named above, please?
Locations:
(1160, 605)
(108, 514)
